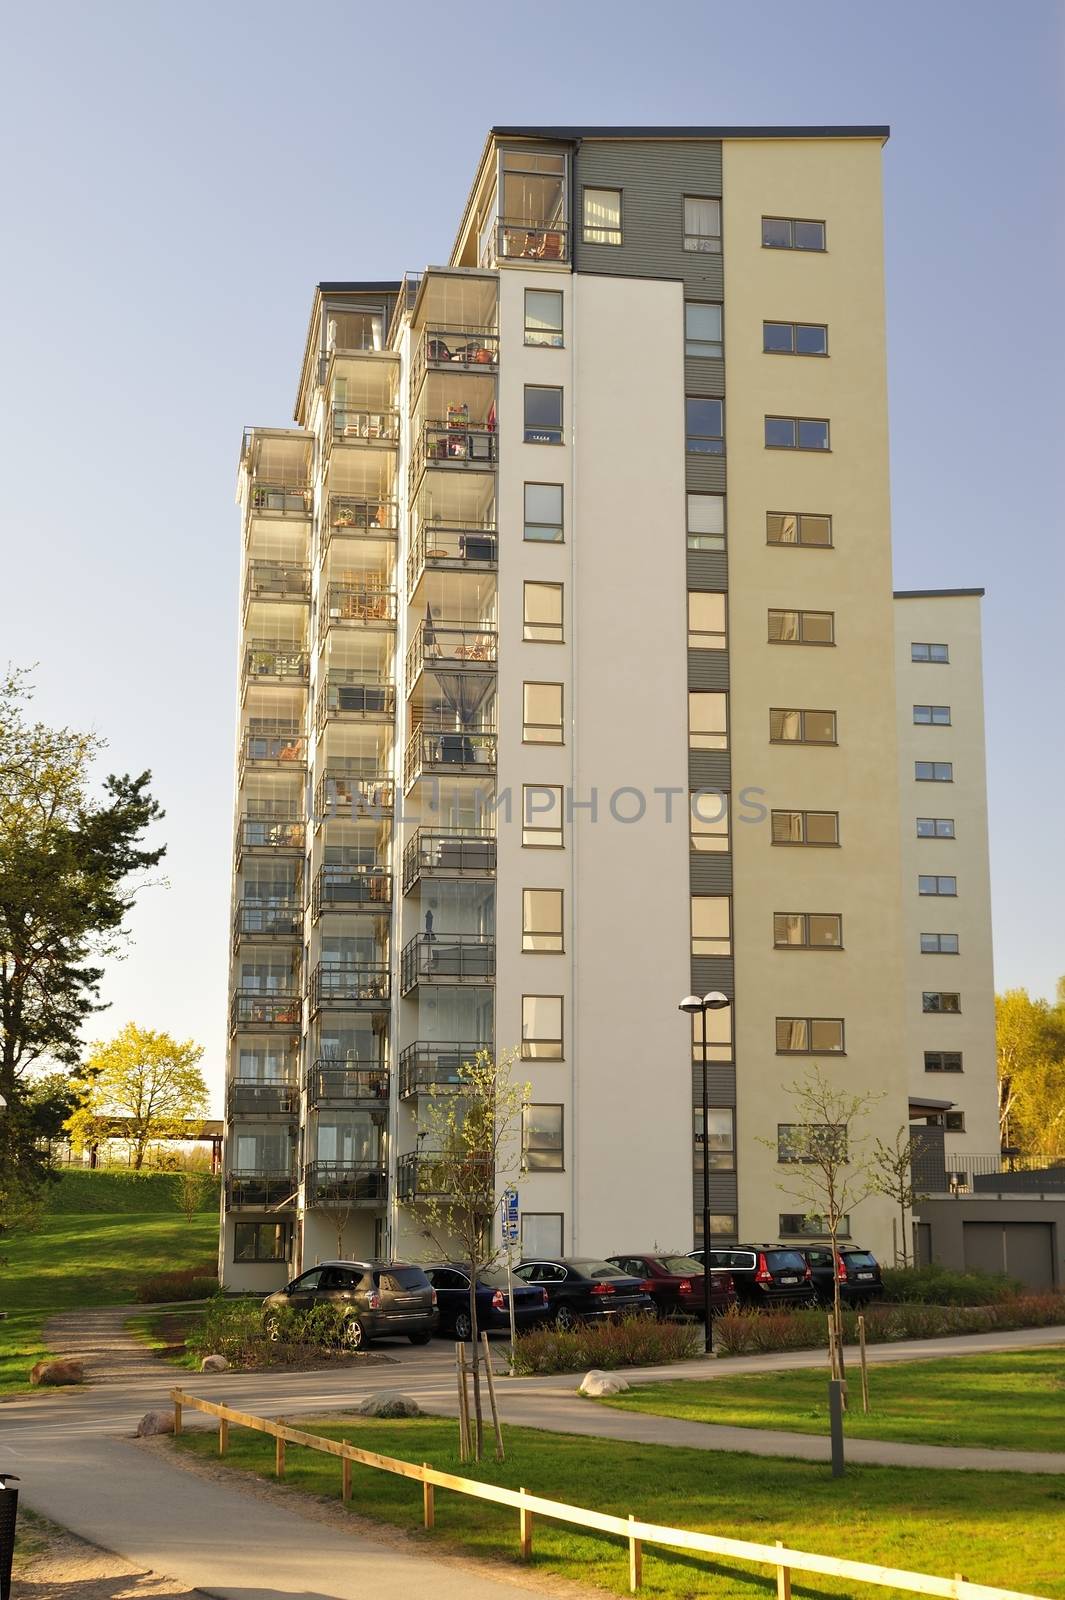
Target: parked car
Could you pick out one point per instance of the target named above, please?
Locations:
(677, 1284)
(380, 1299)
(764, 1274)
(452, 1285)
(859, 1274)
(578, 1290)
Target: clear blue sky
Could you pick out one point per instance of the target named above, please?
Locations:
(177, 178)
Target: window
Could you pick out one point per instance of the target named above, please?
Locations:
(711, 925)
(260, 1241)
(722, 1226)
(802, 627)
(935, 827)
(938, 653)
(807, 930)
(541, 816)
(937, 716)
(705, 427)
(808, 1036)
(702, 224)
(792, 233)
(798, 528)
(706, 522)
(954, 1121)
(795, 338)
(542, 713)
(541, 920)
(796, 433)
(931, 883)
(707, 720)
(942, 1061)
(543, 513)
(709, 820)
(602, 216)
(541, 1138)
(800, 1141)
(543, 613)
(805, 827)
(543, 415)
(543, 317)
(794, 1224)
(717, 1146)
(541, 1234)
(802, 727)
(718, 1036)
(707, 629)
(939, 944)
(940, 1000)
(541, 1027)
(702, 329)
(933, 771)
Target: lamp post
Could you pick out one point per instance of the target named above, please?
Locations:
(693, 1006)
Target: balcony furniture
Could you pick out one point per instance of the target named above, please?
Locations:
(472, 547)
(292, 751)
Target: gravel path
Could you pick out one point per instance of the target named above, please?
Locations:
(98, 1337)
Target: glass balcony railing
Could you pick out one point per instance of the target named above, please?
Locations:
(268, 919)
(354, 695)
(426, 1068)
(272, 743)
(456, 442)
(254, 1008)
(278, 500)
(447, 958)
(428, 1174)
(277, 580)
(448, 750)
(339, 888)
(260, 1191)
(276, 661)
(335, 1083)
(453, 349)
(350, 983)
(350, 517)
(451, 547)
(258, 1097)
(270, 836)
(366, 605)
(366, 428)
(454, 853)
(529, 241)
(357, 1182)
(447, 646)
(349, 796)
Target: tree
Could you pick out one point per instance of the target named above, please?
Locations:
(140, 1087)
(190, 1189)
(336, 1201)
(473, 1152)
(1030, 1047)
(892, 1176)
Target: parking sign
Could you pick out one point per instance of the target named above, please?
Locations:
(511, 1224)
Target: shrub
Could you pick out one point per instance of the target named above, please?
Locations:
(192, 1283)
(938, 1286)
(240, 1331)
(630, 1342)
(746, 1332)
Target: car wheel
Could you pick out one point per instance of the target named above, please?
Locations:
(419, 1338)
(354, 1334)
(463, 1326)
(564, 1319)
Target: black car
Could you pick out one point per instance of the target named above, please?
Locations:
(859, 1274)
(677, 1284)
(452, 1285)
(764, 1274)
(379, 1299)
(577, 1290)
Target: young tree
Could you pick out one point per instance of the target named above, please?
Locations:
(473, 1152)
(335, 1200)
(191, 1189)
(1030, 1044)
(148, 1080)
(892, 1176)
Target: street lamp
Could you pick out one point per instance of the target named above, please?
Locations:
(693, 1006)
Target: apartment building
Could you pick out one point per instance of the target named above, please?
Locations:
(568, 687)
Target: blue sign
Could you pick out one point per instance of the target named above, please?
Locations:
(511, 1225)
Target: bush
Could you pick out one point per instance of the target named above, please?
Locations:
(938, 1286)
(193, 1283)
(630, 1342)
(81, 1190)
(238, 1330)
(749, 1332)
(745, 1330)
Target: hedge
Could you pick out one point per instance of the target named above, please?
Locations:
(79, 1190)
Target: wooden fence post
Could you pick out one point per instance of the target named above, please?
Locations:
(525, 1519)
(865, 1370)
(464, 1403)
(635, 1560)
(177, 1410)
(428, 1500)
(345, 1478)
(223, 1435)
(783, 1578)
(279, 1452)
(500, 1454)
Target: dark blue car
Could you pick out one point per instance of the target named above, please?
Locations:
(452, 1285)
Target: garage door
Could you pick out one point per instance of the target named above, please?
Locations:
(1024, 1250)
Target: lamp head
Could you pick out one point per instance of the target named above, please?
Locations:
(691, 1004)
(716, 1001)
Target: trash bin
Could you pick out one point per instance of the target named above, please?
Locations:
(8, 1513)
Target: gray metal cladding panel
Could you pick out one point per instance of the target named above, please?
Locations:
(720, 1083)
(711, 870)
(705, 473)
(713, 972)
(709, 769)
(722, 1189)
(653, 179)
(707, 669)
(704, 376)
(707, 569)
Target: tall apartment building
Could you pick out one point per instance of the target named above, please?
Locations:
(553, 708)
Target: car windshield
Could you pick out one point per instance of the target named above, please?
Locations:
(785, 1261)
(598, 1269)
(682, 1265)
(859, 1258)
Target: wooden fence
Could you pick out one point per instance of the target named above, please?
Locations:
(779, 1558)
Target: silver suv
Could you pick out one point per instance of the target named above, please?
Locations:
(379, 1299)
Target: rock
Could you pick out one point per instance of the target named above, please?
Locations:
(155, 1422)
(389, 1403)
(596, 1384)
(214, 1364)
(63, 1370)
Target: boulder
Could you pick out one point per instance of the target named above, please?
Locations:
(214, 1364)
(389, 1403)
(596, 1384)
(62, 1370)
(155, 1422)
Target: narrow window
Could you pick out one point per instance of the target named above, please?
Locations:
(709, 820)
(541, 816)
(543, 513)
(543, 317)
(707, 720)
(541, 920)
(543, 415)
(602, 216)
(542, 613)
(702, 224)
(541, 1027)
(542, 713)
(716, 1144)
(702, 329)
(706, 522)
(711, 925)
(541, 1138)
(707, 628)
(705, 427)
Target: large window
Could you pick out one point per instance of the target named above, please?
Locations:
(807, 930)
(938, 654)
(805, 827)
(543, 415)
(934, 716)
(942, 1061)
(705, 427)
(706, 522)
(541, 921)
(801, 627)
(935, 827)
(602, 216)
(933, 771)
(711, 925)
(541, 1027)
(796, 433)
(809, 1036)
(717, 1144)
(542, 613)
(936, 883)
(260, 1241)
(543, 317)
(941, 1000)
(792, 233)
(702, 329)
(702, 224)
(542, 713)
(795, 338)
(798, 528)
(707, 720)
(541, 1235)
(543, 513)
(798, 1225)
(939, 944)
(802, 727)
(533, 211)
(707, 628)
(541, 816)
(542, 1138)
(709, 820)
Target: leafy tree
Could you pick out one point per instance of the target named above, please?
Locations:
(148, 1080)
(1030, 1045)
(892, 1176)
(191, 1187)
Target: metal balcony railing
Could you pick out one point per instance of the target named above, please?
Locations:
(430, 1175)
(365, 605)
(261, 1190)
(451, 958)
(256, 1097)
(454, 349)
(448, 750)
(451, 546)
(938, 1173)
(366, 428)
(347, 796)
(338, 888)
(277, 580)
(354, 695)
(351, 984)
(350, 517)
(253, 1009)
(275, 661)
(425, 1067)
(334, 1083)
(270, 836)
(279, 500)
(358, 1182)
(273, 742)
(453, 443)
(268, 919)
(532, 241)
(448, 853)
(447, 646)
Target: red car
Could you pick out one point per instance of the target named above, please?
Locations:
(677, 1284)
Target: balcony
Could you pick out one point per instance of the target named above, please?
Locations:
(279, 500)
(433, 853)
(448, 751)
(270, 836)
(429, 1175)
(453, 349)
(354, 696)
(455, 443)
(350, 517)
(450, 647)
(351, 796)
(356, 605)
(430, 1068)
(272, 743)
(447, 958)
(368, 430)
(261, 1191)
(527, 241)
(258, 1098)
(266, 921)
(350, 985)
(451, 546)
(276, 662)
(334, 1083)
(277, 580)
(349, 1182)
(937, 1173)
(255, 1009)
(339, 888)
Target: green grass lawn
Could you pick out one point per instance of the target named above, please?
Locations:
(165, 1332)
(1005, 1529)
(1013, 1401)
(87, 1260)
